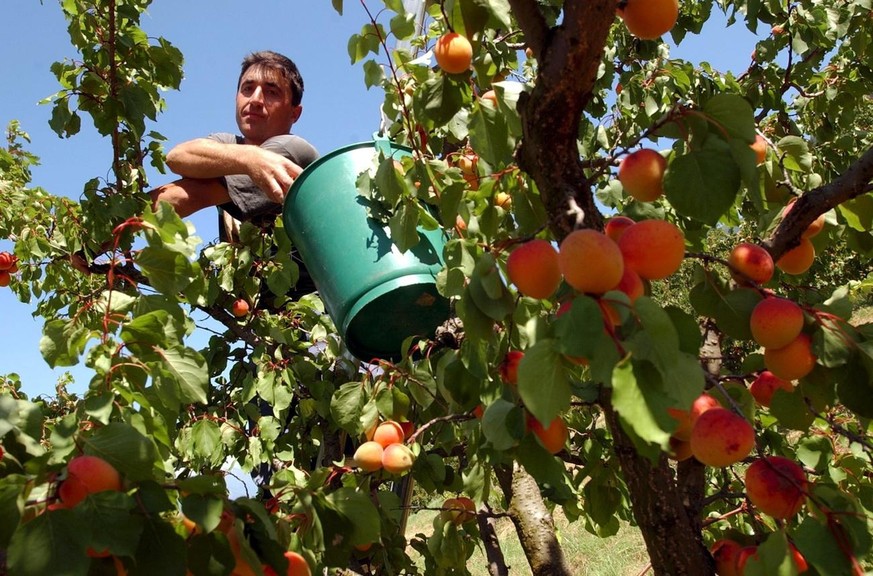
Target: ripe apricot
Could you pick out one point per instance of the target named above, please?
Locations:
(368, 456)
(776, 486)
(87, 475)
(775, 322)
(458, 510)
(453, 53)
(798, 259)
(469, 165)
(590, 261)
(552, 437)
(649, 19)
(240, 307)
(687, 418)
(791, 362)
(616, 226)
(631, 284)
(641, 174)
(811, 230)
(397, 459)
(765, 385)
(721, 437)
(503, 200)
(387, 433)
(534, 269)
(297, 565)
(6, 260)
(5, 278)
(509, 366)
(654, 249)
(680, 450)
(759, 147)
(726, 552)
(752, 262)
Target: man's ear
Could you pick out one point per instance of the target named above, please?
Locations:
(296, 112)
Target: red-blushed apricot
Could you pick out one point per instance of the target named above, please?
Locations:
(590, 261)
(458, 510)
(680, 450)
(776, 486)
(799, 560)
(5, 278)
(641, 174)
(368, 456)
(616, 226)
(631, 284)
(759, 147)
(791, 362)
(534, 269)
(654, 249)
(479, 411)
(397, 459)
(120, 570)
(509, 366)
(7, 259)
(552, 437)
(765, 385)
(811, 230)
(743, 557)
(752, 262)
(297, 565)
(240, 307)
(88, 475)
(649, 19)
(776, 322)
(407, 427)
(726, 552)
(242, 566)
(721, 437)
(387, 433)
(453, 53)
(687, 418)
(797, 260)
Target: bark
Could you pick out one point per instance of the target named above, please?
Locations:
(493, 553)
(533, 523)
(673, 540)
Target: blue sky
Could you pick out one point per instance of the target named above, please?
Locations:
(213, 35)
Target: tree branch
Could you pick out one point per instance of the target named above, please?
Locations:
(852, 183)
(532, 23)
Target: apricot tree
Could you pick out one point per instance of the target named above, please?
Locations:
(625, 405)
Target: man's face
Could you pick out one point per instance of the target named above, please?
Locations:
(263, 105)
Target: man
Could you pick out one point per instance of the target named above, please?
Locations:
(249, 175)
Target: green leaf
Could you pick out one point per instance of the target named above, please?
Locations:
(503, 424)
(188, 370)
(359, 510)
(771, 558)
(734, 311)
(338, 6)
(640, 408)
(795, 153)
(791, 409)
(490, 136)
(488, 291)
(12, 496)
(161, 550)
(113, 527)
(168, 271)
(543, 382)
(60, 539)
(440, 98)
(63, 341)
(203, 510)
(658, 341)
(404, 226)
(373, 74)
(733, 114)
(702, 184)
(149, 328)
(346, 407)
(120, 444)
(205, 442)
(817, 544)
(403, 26)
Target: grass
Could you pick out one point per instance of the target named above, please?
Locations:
(621, 555)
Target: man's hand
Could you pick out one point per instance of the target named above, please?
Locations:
(272, 172)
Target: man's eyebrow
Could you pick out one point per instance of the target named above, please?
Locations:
(269, 83)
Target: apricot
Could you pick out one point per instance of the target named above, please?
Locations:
(240, 307)
(752, 552)
(87, 475)
(509, 366)
(5, 278)
(726, 552)
(458, 510)
(649, 19)
(721, 437)
(776, 486)
(552, 437)
(641, 174)
(368, 456)
(590, 261)
(759, 147)
(397, 459)
(7, 259)
(765, 385)
(791, 362)
(616, 226)
(680, 450)
(387, 433)
(631, 284)
(453, 53)
(297, 565)
(489, 96)
(469, 165)
(687, 418)
(654, 249)
(242, 566)
(752, 262)
(798, 259)
(776, 322)
(811, 230)
(503, 200)
(534, 269)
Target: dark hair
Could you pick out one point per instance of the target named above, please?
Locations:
(275, 61)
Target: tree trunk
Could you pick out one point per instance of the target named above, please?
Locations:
(533, 523)
(493, 553)
(673, 539)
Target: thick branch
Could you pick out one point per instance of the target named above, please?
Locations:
(532, 23)
(493, 553)
(854, 182)
(551, 113)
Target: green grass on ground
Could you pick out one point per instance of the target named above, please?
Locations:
(621, 555)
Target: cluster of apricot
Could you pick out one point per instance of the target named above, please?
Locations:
(8, 267)
(458, 510)
(385, 450)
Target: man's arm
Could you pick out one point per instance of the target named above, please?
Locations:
(204, 158)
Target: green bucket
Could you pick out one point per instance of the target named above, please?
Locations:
(376, 296)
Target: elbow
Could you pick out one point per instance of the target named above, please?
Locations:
(173, 160)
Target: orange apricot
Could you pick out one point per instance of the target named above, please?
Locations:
(764, 386)
(458, 510)
(641, 174)
(759, 147)
(88, 475)
(752, 262)
(649, 19)
(775, 322)
(590, 261)
(368, 456)
(453, 53)
(551, 437)
(791, 362)
(509, 366)
(534, 269)
(654, 249)
(397, 459)
(687, 418)
(721, 437)
(798, 259)
(726, 552)
(388, 432)
(616, 226)
(776, 486)
(811, 230)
